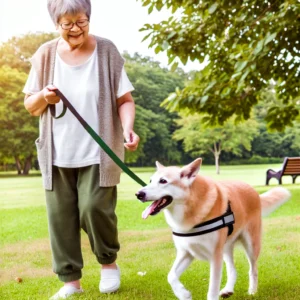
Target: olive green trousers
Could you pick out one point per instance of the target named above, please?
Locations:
(77, 202)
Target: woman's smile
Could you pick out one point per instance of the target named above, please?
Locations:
(75, 35)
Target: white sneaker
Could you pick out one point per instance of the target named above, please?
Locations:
(65, 292)
(110, 280)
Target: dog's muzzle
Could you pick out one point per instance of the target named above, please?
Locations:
(141, 196)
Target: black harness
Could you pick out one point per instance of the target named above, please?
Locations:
(226, 220)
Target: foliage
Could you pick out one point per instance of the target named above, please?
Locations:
(274, 144)
(18, 129)
(199, 139)
(143, 119)
(248, 43)
(154, 124)
(17, 51)
(277, 144)
(257, 160)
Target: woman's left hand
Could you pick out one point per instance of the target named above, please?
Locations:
(132, 140)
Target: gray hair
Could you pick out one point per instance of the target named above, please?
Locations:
(58, 8)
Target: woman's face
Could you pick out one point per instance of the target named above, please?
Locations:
(74, 29)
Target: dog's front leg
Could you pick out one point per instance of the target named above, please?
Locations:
(215, 276)
(182, 261)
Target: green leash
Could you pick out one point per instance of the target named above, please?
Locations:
(94, 135)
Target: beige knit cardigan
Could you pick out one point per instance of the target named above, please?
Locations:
(110, 64)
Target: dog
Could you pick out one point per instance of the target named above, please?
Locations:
(207, 218)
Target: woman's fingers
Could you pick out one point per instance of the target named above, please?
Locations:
(50, 95)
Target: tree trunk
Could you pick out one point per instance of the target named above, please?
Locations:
(217, 163)
(27, 165)
(18, 165)
(217, 152)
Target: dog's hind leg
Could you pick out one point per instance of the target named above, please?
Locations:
(252, 245)
(182, 261)
(227, 291)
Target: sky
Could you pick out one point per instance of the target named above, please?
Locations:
(117, 20)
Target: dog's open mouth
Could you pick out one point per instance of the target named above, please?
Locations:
(157, 206)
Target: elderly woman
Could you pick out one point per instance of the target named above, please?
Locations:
(79, 178)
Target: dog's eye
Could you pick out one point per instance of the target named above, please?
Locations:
(163, 181)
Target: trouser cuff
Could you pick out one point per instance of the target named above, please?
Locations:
(70, 277)
(107, 260)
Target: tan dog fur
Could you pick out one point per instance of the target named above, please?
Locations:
(197, 199)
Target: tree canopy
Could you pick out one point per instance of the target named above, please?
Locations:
(17, 51)
(251, 46)
(18, 129)
(199, 139)
(154, 124)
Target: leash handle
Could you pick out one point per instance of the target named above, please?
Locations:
(94, 135)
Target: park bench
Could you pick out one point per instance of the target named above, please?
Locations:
(290, 166)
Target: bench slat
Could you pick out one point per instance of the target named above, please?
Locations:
(292, 166)
(291, 173)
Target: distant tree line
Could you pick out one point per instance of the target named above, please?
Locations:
(166, 135)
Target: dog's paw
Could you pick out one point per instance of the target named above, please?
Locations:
(183, 294)
(225, 293)
(252, 291)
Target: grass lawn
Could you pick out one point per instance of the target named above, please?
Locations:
(146, 245)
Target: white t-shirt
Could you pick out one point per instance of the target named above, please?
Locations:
(73, 146)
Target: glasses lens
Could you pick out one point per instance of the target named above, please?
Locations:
(82, 23)
(66, 25)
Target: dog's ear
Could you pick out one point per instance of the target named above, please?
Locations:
(158, 165)
(190, 171)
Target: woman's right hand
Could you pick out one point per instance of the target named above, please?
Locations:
(50, 95)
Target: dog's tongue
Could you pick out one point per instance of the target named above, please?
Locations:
(150, 209)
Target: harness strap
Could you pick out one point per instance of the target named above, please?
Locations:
(94, 135)
(226, 220)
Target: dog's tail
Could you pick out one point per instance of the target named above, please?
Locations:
(272, 199)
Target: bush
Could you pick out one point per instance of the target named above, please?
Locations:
(257, 160)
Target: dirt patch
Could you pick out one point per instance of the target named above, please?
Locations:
(25, 260)
(29, 260)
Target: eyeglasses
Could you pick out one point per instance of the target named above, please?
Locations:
(79, 23)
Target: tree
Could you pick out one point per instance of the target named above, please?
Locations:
(144, 117)
(270, 143)
(248, 44)
(199, 139)
(293, 134)
(18, 129)
(17, 51)
(154, 124)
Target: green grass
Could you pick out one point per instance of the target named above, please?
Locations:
(146, 245)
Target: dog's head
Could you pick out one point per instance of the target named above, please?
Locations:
(168, 186)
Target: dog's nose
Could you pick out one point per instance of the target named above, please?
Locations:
(140, 195)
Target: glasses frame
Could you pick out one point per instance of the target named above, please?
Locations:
(73, 23)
